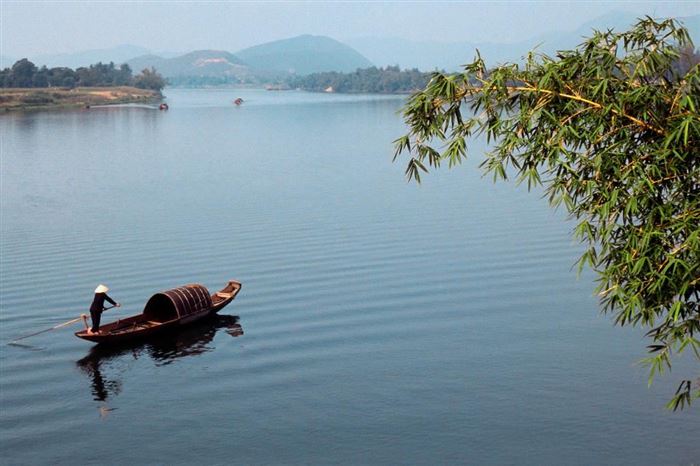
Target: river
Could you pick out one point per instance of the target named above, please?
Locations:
(380, 322)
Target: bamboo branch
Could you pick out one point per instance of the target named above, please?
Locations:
(470, 90)
(589, 102)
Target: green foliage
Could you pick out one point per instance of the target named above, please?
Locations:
(611, 130)
(149, 79)
(387, 80)
(100, 74)
(62, 77)
(24, 74)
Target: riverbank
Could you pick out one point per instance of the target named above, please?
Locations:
(53, 97)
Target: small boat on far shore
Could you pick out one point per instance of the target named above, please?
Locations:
(167, 310)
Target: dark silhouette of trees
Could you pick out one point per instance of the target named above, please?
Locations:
(149, 79)
(24, 74)
(389, 80)
(62, 77)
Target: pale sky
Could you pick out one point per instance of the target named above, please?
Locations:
(29, 28)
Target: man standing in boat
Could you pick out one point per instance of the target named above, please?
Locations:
(98, 305)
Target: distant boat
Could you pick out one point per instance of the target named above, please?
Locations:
(163, 106)
(238, 101)
(167, 310)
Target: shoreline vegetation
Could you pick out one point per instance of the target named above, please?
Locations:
(25, 86)
(43, 98)
(372, 80)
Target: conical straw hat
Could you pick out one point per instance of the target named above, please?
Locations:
(101, 289)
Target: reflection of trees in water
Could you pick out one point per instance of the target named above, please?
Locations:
(192, 340)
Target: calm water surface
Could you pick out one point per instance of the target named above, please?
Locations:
(380, 322)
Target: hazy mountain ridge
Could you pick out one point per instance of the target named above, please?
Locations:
(307, 54)
(119, 54)
(304, 54)
(430, 55)
(197, 63)
(270, 61)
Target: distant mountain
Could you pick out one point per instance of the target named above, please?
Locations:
(202, 63)
(424, 55)
(168, 54)
(146, 61)
(304, 55)
(427, 55)
(618, 21)
(118, 55)
(270, 62)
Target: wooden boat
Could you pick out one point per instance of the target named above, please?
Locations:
(166, 310)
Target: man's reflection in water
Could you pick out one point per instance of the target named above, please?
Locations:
(189, 341)
(100, 389)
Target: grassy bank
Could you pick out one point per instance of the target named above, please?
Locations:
(53, 97)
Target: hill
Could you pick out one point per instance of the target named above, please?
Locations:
(198, 63)
(270, 62)
(304, 55)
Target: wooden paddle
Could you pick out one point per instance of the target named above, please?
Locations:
(54, 327)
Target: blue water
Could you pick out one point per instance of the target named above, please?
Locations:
(381, 322)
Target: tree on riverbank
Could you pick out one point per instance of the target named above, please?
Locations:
(611, 130)
(149, 79)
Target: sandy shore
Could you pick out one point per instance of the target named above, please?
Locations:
(53, 97)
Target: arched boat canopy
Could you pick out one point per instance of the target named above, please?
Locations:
(178, 303)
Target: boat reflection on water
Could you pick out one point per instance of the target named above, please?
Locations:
(192, 340)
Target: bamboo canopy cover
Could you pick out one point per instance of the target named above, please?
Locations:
(178, 303)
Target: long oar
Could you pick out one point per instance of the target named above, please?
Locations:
(52, 328)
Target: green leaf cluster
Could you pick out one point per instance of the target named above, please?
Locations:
(611, 131)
